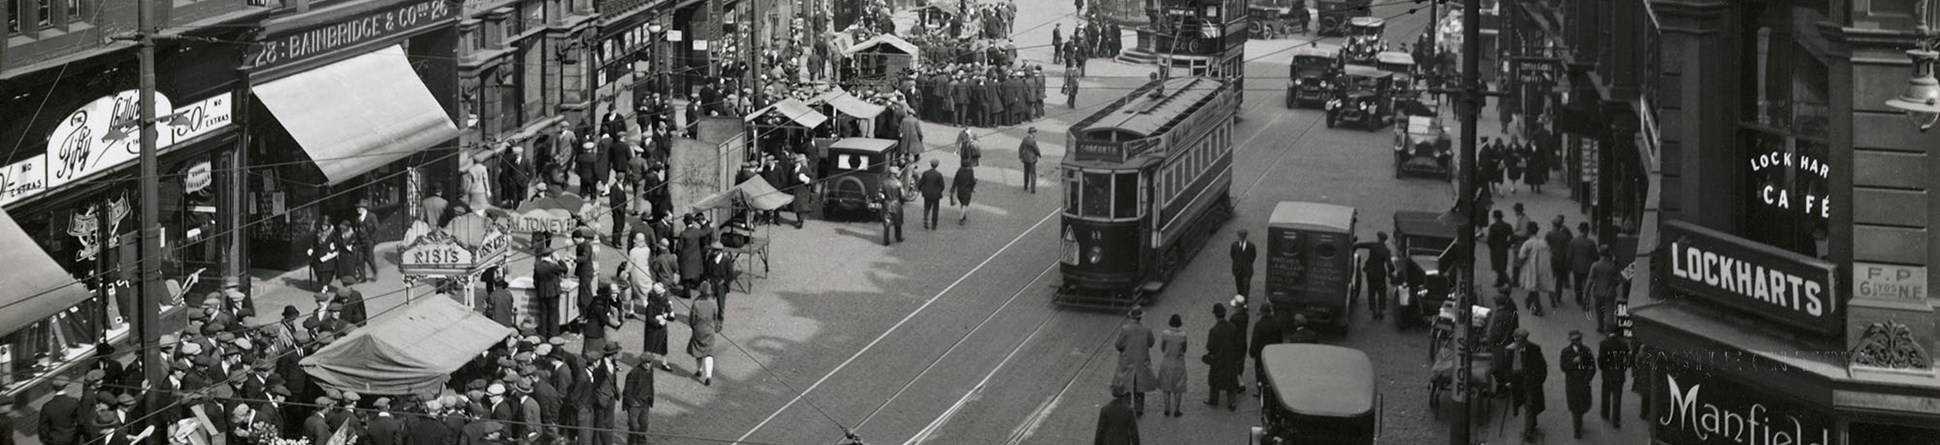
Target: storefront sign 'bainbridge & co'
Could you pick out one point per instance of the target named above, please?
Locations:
(1781, 286)
(374, 25)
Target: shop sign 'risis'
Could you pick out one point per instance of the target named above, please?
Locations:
(1781, 286)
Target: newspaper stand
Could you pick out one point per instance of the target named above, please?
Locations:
(461, 258)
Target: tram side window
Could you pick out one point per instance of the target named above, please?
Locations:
(1097, 195)
(1125, 196)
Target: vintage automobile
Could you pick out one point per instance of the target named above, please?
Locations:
(1320, 394)
(1402, 65)
(852, 170)
(1421, 239)
(1312, 70)
(1310, 262)
(1336, 15)
(1421, 145)
(1363, 96)
(1278, 19)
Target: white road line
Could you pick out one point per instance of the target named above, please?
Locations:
(899, 324)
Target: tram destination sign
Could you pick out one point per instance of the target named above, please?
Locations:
(1774, 284)
(1105, 151)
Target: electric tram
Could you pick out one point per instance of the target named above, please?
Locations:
(1146, 183)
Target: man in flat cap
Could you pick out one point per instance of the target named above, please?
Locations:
(1117, 422)
(355, 312)
(385, 428)
(316, 427)
(637, 398)
(61, 417)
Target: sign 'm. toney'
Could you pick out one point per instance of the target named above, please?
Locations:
(1782, 286)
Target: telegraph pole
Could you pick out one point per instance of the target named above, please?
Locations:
(1471, 107)
(150, 292)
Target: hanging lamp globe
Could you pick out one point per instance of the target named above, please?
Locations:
(1921, 100)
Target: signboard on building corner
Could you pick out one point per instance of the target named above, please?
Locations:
(1694, 407)
(101, 136)
(1889, 282)
(1785, 287)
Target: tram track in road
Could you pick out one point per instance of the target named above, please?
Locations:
(1042, 411)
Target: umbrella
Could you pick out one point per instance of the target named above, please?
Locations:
(550, 214)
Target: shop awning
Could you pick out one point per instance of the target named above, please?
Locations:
(409, 352)
(37, 287)
(356, 115)
(795, 111)
(892, 41)
(754, 192)
(848, 104)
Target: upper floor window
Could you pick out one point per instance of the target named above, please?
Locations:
(46, 16)
(13, 17)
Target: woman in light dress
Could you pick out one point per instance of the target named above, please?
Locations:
(1172, 365)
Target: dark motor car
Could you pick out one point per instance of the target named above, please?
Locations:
(1363, 96)
(1313, 70)
(853, 169)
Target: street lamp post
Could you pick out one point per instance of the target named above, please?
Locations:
(1921, 100)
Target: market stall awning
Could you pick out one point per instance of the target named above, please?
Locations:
(412, 351)
(848, 104)
(794, 110)
(890, 40)
(755, 192)
(37, 287)
(359, 114)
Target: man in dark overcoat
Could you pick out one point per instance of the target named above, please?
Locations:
(1117, 422)
(1522, 369)
(547, 273)
(962, 89)
(1578, 364)
(993, 101)
(932, 186)
(1223, 376)
(1613, 357)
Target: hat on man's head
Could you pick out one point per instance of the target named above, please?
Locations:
(351, 396)
(214, 301)
(102, 420)
(224, 336)
(280, 390)
(496, 389)
(125, 400)
(94, 375)
(382, 403)
(557, 341)
(169, 340)
(612, 348)
(290, 312)
(324, 296)
(543, 350)
(198, 315)
(308, 323)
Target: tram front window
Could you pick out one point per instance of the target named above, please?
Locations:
(1096, 200)
(1125, 196)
